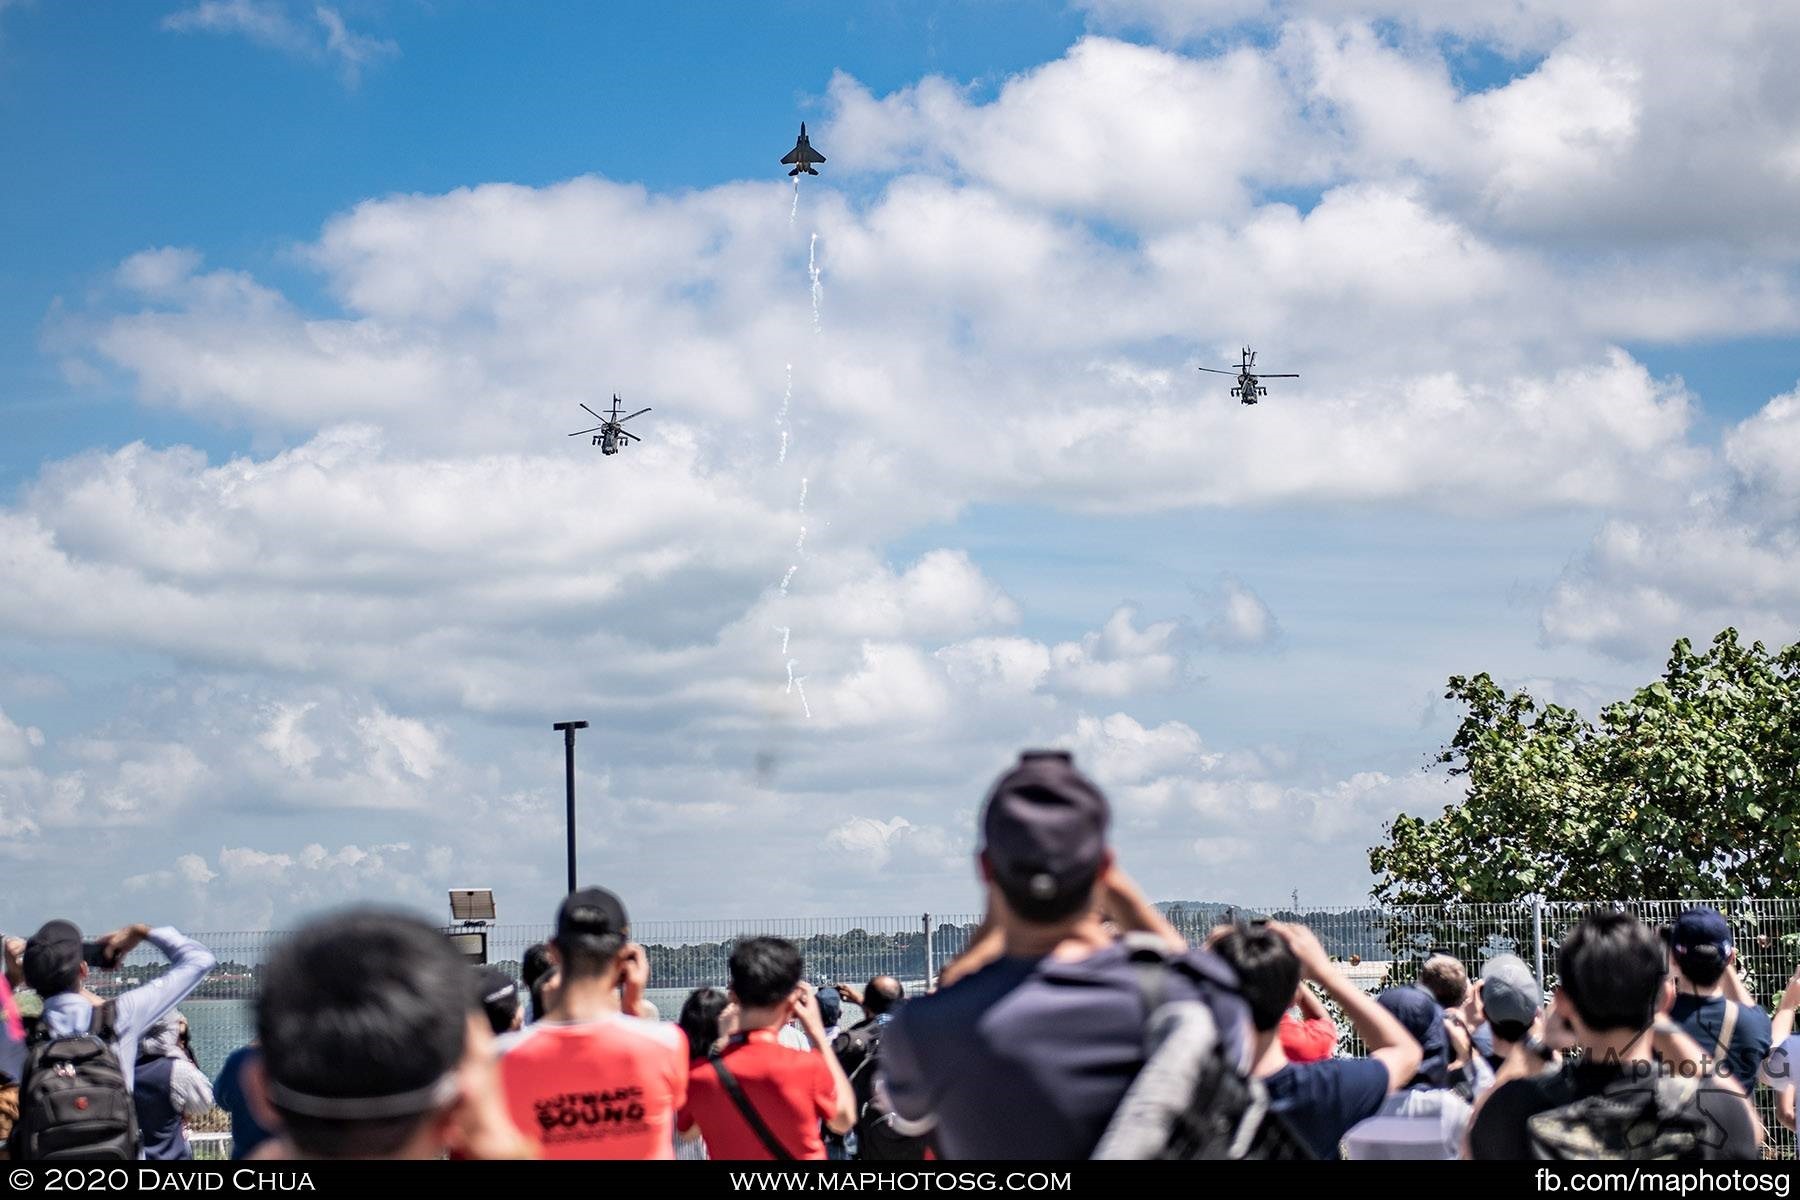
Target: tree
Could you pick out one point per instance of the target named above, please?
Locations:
(1690, 788)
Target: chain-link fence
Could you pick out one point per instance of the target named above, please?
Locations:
(1376, 946)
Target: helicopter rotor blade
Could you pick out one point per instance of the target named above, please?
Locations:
(625, 433)
(595, 429)
(597, 416)
(1215, 371)
(1262, 375)
(640, 412)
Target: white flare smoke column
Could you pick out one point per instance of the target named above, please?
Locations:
(781, 417)
(796, 684)
(812, 270)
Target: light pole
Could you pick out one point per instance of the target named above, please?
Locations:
(568, 731)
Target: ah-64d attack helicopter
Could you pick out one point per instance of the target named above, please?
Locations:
(610, 434)
(1248, 389)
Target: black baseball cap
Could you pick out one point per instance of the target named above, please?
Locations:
(1044, 835)
(591, 912)
(53, 956)
(498, 995)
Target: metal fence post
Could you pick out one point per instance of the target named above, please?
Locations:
(930, 959)
(1537, 937)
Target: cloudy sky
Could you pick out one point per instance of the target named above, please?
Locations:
(298, 301)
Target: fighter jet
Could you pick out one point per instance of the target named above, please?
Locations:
(803, 156)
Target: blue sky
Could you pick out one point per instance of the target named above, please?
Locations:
(295, 300)
(122, 134)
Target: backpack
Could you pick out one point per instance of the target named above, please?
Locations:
(876, 1138)
(1648, 1119)
(73, 1101)
(1189, 1101)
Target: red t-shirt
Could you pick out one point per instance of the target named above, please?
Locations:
(791, 1090)
(1311, 1039)
(597, 1089)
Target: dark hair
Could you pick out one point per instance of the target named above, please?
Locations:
(1071, 897)
(1268, 972)
(535, 970)
(185, 1039)
(1446, 979)
(883, 994)
(536, 966)
(1612, 969)
(361, 1003)
(1702, 966)
(47, 980)
(699, 1019)
(1510, 1031)
(765, 970)
(588, 955)
(484, 982)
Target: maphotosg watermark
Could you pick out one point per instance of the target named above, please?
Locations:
(1671, 1183)
(901, 1181)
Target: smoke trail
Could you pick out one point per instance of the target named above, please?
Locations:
(800, 542)
(789, 577)
(791, 664)
(812, 269)
(796, 206)
(781, 417)
(783, 630)
(800, 686)
(803, 495)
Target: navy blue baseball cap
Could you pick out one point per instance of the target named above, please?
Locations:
(1700, 932)
(1044, 834)
(831, 1006)
(1418, 1010)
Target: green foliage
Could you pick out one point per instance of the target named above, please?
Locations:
(1689, 788)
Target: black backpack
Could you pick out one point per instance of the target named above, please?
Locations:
(74, 1104)
(1659, 1118)
(876, 1138)
(1189, 1101)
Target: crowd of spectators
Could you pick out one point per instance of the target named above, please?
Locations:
(1078, 1023)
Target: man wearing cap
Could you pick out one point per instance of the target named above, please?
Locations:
(1734, 1032)
(497, 994)
(592, 1078)
(1425, 1117)
(1028, 1056)
(1511, 1001)
(55, 966)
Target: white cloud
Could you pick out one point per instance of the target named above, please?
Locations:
(1080, 134)
(1139, 768)
(1727, 560)
(17, 742)
(1240, 618)
(318, 33)
(870, 844)
(1120, 659)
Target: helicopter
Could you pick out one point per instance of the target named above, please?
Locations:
(608, 434)
(1248, 389)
